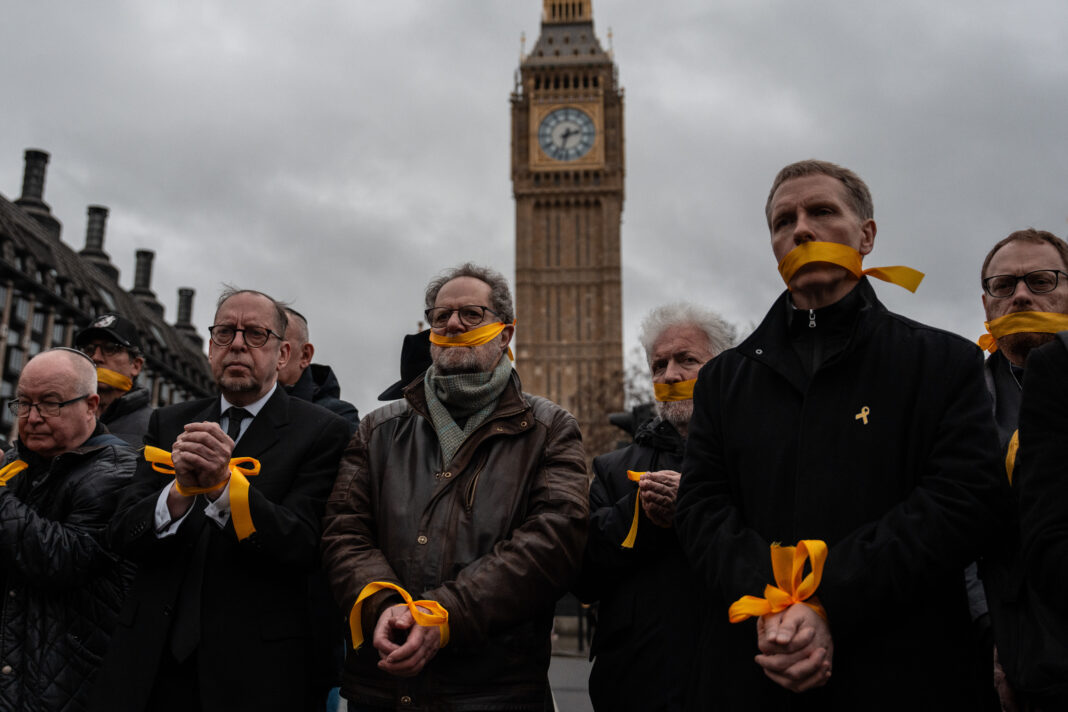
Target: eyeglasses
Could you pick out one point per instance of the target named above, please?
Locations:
(255, 336)
(46, 409)
(470, 315)
(1041, 281)
(108, 348)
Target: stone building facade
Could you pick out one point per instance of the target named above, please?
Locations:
(48, 292)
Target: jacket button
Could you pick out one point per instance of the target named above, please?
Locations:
(759, 351)
(405, 700)
(500, 429)
(523, 424)
(422, 539)
(447, 475)
(7, 670)
(167, 610)
(12, 593)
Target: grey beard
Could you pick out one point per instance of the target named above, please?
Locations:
(676, 412)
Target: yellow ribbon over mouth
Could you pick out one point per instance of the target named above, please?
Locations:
(437, 616)
(849, 258)
(240, 468)
(788, 563)
(669, 392)
(10, 470)
(1020, 322)
(475, 337)
(113, 379)
(628, 543)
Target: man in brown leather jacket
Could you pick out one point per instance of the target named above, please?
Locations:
(469, 495)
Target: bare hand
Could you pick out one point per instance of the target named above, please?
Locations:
(658, 491)
(420, 643)
(796, 648)
(201, 455)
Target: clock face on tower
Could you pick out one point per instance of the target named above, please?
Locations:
(566, 134)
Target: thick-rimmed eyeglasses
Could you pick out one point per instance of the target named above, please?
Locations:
(1041, 281)
(108, 348)
(470, 315)
(46, 409)
(255, 336)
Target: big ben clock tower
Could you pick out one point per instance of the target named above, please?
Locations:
(567, 175)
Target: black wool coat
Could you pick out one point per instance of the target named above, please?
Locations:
(888, 452)
(642, 648)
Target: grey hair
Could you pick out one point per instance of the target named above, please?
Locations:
(229, 291)
(720, 333)
(84, 367)
(500, 294)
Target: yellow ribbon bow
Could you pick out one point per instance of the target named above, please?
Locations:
(240, 468)
(437, 616)
(112, 379)
(475, 337)
(10, 470)
(680, 391)
(628, 543)
(848, 257)
(788, 563)
(1020, 322)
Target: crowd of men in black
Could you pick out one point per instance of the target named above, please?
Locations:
(846, 510)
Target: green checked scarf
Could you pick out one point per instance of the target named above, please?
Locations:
(463, 395)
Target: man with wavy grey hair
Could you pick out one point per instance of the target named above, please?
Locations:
(633, 560)
(469, 496)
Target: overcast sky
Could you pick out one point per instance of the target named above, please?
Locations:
(338, 154)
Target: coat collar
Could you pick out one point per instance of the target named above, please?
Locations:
(770, 342)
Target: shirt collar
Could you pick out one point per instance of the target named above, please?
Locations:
(253, 408)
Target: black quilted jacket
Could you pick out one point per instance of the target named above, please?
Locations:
(61, 589)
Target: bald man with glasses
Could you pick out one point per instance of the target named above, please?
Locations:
(224, 525)
(59, 485)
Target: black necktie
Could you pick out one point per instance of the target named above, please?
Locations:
(235, 415)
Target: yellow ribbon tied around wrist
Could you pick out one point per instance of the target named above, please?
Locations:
(1020, 322)
(240, 468)
(10, 470)
(628, 543)
(669, 392)
(437, 616)
(475, 337)
(113, 379)
(849, 258)
(788, 563)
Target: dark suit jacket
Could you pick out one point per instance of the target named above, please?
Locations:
(254, 614)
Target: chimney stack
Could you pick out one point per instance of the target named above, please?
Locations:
(94, 242)
(143, 280)
(184, 325)
(32, 199)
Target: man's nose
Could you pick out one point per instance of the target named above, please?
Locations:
(803, 230)
(34, 416)
(241, 345)
(1022, 294)
(454, 324)
(673, 373)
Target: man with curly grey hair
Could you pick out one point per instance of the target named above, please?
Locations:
(632, 550)
(470, 496)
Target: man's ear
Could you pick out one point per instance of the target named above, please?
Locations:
(283, 354)
(867, 241)
(306, 354)
(136, 364)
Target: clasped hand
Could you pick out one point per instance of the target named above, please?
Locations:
(201, 456)
(796, 648)
(658, 491)
(404, 646)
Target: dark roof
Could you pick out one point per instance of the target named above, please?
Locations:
(37, 261)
